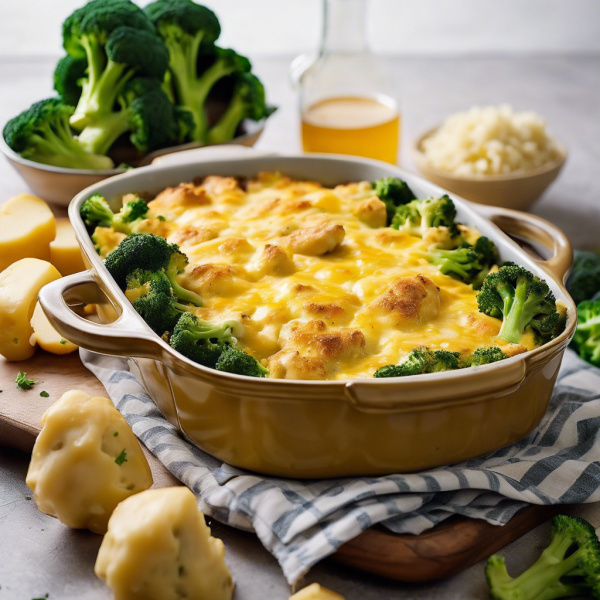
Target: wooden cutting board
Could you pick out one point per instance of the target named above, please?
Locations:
(440, 552)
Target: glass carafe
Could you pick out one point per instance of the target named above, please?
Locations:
(347, 105)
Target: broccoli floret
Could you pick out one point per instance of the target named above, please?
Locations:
(42, 134)
(187, 28)
(150, 253)
(68, 74)
(393, 192)
(470, 264)
(130, 52)
(200, 341)
(144, 111)
(484, 356)
(584, 280)
(151, 294)
(587, 334)
(523, 301)
(569, 566)
(416, 217)
(96, 212)
(233, 360)
(421, 361)
(248, 102)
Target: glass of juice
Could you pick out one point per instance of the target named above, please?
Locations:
(347, 105)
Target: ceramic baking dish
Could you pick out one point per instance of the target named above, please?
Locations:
(313, 429)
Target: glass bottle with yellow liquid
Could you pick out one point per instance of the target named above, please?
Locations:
(347, 105)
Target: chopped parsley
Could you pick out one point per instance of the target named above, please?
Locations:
(121, 458)
(116, 433)
(161, 218)
(23, 382)
(63, 341)
(44, 394)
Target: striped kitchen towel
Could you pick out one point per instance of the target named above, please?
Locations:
(301, 522)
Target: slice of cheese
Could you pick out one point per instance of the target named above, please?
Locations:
(19, 287)
(65, 253)
(315, 592)
(46, 336)
(158, 547)
(85, 461)
(27, 227)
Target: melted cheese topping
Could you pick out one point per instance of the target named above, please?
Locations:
(322, 288)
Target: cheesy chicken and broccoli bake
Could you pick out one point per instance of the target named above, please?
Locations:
(286, 279)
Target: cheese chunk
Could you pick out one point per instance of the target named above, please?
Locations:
(158, 547)
(65, 253)
(46, 336)
(85, 461)
(19, 287)
(315, 592)
(27, 227)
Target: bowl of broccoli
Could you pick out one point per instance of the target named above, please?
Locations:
(134, 84)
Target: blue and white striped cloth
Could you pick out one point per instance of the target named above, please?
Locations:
(301, 522)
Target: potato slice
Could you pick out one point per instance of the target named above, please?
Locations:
(85, 461)
(27, 227)
(46, 336)
(19, 287)
(158, 547)
(65, 253)
(316, 592)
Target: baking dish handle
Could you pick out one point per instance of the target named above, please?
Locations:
(127, 335)
(538, 230)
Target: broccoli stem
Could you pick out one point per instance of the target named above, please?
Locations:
(224, 129)
(101, 134)
(180, 292)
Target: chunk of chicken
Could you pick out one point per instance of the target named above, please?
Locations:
(212, 280)
(371, 212)
(408, 302)
(311, 351)
(315, 241)
(176, 200)
(271, 260)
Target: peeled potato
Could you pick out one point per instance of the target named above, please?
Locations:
(85, 461)
(27, 227)
(316, 592)
(65, 253)
(158, 547)
(19, 287)
(46, 336)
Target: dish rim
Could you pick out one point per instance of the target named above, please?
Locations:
(121, 304)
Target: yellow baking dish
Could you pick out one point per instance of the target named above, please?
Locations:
(311, 429)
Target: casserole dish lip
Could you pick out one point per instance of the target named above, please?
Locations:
(123, 304)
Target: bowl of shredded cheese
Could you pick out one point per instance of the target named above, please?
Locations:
(491, 155)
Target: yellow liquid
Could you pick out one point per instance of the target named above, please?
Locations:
(352, 125)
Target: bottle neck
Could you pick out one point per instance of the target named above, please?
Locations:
(344, 26)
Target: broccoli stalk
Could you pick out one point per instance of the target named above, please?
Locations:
(420, 361)
(587, 335)
(42, 134)
(150, 253)
(96, 212)
(186, 27)
(248, 102)
(145, 112)
(523, 301)
(393, 192)
(417, 216)
(569, 566)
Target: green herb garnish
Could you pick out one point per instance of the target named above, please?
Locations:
(161, 218)
(44, 394)
(121, 458)
(116, 433)
(63, 341)
(23, 382)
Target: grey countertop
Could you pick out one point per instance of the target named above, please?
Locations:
(39, 556)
